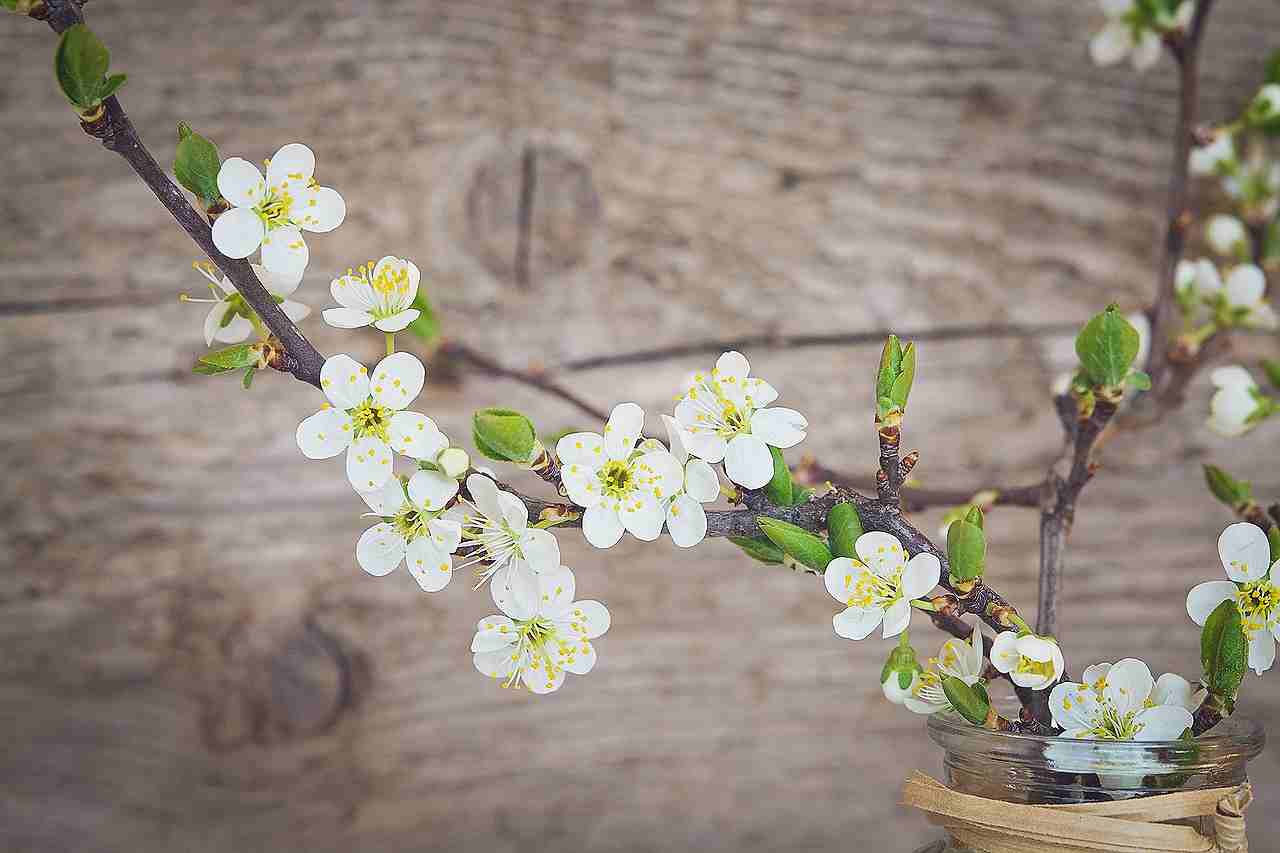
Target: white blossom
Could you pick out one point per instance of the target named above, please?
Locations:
(1120, 38)
(1254, 585)
(412, 532)
(1244, 293)
(367, 418)
(727, 417)
(1120, 702)
(497, 538)
(272, 213)
(1266, 104)
(228, 320)
(1028, 660)
(1226, 235)
(879, 585)
(1216, 157)
(620, 487)
(957, 659)
(378, 294)
(686, 518)
(534, 643)
(1238, 405)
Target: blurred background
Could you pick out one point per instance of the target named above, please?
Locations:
(192, 658)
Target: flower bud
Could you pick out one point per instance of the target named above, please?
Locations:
(893, 382)
(901, 673)
(1227, 236)
(504, 435)
(453, 462)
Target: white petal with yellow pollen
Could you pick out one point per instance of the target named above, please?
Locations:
(416, 435)
(747, 461)
(431, 490)
(240, 183)
(856, 623)
(238, 232)
(581, 448)
(1245, 552)
(318, 209)
(380, 549)
(352, 291)
(430, 565)
(324, 434)
(386, 501)
(780, 427)
(398, 322)
(686, 521)
(493, 633)
(368, 463)
(623, 430)
(284, 252)
(291, 167)
(344, 381)
(881, 552)
(601, 526)
(642, 515)
(397, 380)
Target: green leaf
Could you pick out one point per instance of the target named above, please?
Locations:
(1139, 380)
(248, 377)
(759, 548)
(975, 517)
(111, 85)
(427, 326)
(1107, 346)
(1226, 488)
(800, 494)
(504, 435)
(1273, 538)
(968, 701)
(81, 63)
(1224, 651)
(1271, 367)
(890, 363)
(906, 376)
(843, 529)
(779, 489)
(1273, 68)
(966, 550)
(226, 360)
(196, 164)
(800, 544)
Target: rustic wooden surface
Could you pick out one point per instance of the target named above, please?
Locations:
(193, 661)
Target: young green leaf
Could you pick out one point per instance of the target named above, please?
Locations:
(759, 548)
(427, 326)
(797, 542)
(968, 701)
(196, 164)
(1273, 539)
(1226, 488)
(232, 358)
(80, 63)
(504, 435)
(1224, 651)
(248, 377)
(906, 376)
(843, 529)
(1107, 346)
(966, 550)
(1271, 368)
(779, 489)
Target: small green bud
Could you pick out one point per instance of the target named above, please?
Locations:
(796, 542)
(894, 380)
(900, 672)
(196, 164)
(779, 489)
(1226, 488)
(975, 517)
(504, 435)
(759, 548)
(80, 64)
(967, 548)
(453, 462)
(1107, 346)
(971, 702)
(1224, 651)
(843, 529)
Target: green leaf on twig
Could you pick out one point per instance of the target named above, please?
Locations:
(967, 547)
(227, 360)
(80, 64)
(779, 489)
(1107, 346)
(427, 326)
(803, 546)
(196, 164)
(1226, 488)
(843, 529)
(1224, 651)
(504, 435)
(759, 548)
(971, 702)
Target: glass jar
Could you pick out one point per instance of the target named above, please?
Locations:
(1037, 770)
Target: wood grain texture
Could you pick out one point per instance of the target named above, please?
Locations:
(192, 659)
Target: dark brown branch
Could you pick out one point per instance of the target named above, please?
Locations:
(834, 339)
(889, 478)
(915, 498)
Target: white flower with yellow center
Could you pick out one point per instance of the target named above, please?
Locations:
(957, 659)
(879, 586)
(497, 538)
(378, 294)
(1028, 660)
(272, 213)
(231, 320)
(686, 519)
(620, 487)
(1254, 586)
(1239, 404)
(365, 416)
(533, 644)
(727, 417)
(410, 532)
(1127, 34)
(1120, 702)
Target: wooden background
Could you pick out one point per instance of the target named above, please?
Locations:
(191, 658)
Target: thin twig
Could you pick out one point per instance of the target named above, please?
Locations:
(463, 353)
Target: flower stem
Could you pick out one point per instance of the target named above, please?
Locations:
(391, 342)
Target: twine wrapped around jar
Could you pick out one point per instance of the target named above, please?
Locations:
(1122, 826)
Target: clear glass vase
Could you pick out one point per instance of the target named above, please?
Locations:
(1044, 770)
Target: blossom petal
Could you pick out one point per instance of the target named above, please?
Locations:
(386, 501)
(446, 534)
(368, 463)
(347, 318)
(700, 481)
(325, 434)
(1095, 674)
(295, 311)
(1245, 286)
(352, 291)
(1173, 689)
(642, 515)
(601, 526)
(540, 677)
(660, 474)
(431, 490)
(484, 494)
(399, 321)
(1147, 51)
(380, 549)
(238, 232)
(515, 590)
(625, 426)
(319, 209)
(291, 167)
(590, 618)
(578, 658)
(582, 483)
(212, 321)
(1204, 598)
(1111, 44)
(284, 252)
(710, 447)
(856, 623)
(747, 461)
(494, 633)
(1004, 653)
(732, 365)
(499, 663)
(416, 435)
(397, 380)
(1073, 706)
(556, 588)
(241, 184)
(921, 576)
(1129, 684)
(840, 576)
(1163, 722)
(1262, 651)
(276, 284)
(344, 381)
(779, 426)
(686, 521)
(759, 393)
(897, 618)
(881, 552)
(540, 549)
(1231, 376)
(431, 567)
(514, 512)
(1245, 552)
(581, 448)
(677, 437)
